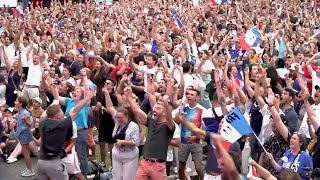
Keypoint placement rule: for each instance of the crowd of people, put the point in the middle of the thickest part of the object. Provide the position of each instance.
(154, 80)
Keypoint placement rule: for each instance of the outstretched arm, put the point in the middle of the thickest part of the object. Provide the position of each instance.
(141, 117)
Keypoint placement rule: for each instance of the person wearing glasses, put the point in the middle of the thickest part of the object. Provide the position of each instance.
(296, 158)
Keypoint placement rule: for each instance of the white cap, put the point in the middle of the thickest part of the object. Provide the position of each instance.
(293, 65)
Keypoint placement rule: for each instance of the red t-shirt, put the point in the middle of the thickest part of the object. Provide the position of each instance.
(308, 75)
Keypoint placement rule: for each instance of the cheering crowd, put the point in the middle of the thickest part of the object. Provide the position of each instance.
(155, 81)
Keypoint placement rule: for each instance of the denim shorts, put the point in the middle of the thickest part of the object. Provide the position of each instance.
(25, 137)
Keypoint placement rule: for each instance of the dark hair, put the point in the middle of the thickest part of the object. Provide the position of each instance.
(69, 69)
(290, 91)
(288, 174)
(52, 110)
(250, 68)
(70, 87)
(186, 67)
(136, 45)
(195, 90)
(273, 75)
(154, 57)
(303, 140)
(236, 160)
(113, 82)
(23, 100)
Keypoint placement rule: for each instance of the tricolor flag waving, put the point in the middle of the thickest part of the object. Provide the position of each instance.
(177, 22)
(18, 12)
(234, 126)
(215, 2)
(250, 39)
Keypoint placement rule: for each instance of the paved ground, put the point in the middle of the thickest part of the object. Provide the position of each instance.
(13, 171)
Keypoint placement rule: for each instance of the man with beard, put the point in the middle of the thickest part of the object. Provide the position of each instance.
(286, 98)
(160, 133)
(149, 68)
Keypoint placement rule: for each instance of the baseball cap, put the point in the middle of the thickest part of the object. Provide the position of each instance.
(292, 67)
(38, 100)
(10, 109)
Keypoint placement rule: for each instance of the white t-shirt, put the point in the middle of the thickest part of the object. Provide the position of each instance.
(70, 157)
(176, 135)
(10, 51)
(71, 81)
(315, 81)
(266, 129)
(304, 125)
(145, 70)
(2, 94)
(34, 75)
(24, 58)
(208, 65)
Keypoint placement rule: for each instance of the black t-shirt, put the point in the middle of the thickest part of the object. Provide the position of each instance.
(158, 139)
(53, 134)
(106, 122)
(255, 117)
(139, 58)
(74, 66)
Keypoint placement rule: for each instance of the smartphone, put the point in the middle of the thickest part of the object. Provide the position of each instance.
(57, 82)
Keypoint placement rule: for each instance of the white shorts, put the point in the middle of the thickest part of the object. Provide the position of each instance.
(210, 177)
(72, 163)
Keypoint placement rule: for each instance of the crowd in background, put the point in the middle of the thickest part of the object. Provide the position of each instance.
(153, 80)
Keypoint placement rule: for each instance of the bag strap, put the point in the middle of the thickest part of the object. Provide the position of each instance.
(14, 84)
(295, 159)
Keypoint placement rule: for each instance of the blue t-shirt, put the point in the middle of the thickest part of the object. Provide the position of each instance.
(21, 125)
(289, 161)
(81, 118)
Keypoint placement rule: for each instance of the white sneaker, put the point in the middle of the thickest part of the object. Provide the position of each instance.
(12, 160)
(175, 170)
(26, 169)
(28, 173)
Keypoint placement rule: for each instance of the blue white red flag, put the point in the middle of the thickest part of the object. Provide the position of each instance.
(17, 11)
(234, 126)
(250, 39)
(219, 1)
(177, 22)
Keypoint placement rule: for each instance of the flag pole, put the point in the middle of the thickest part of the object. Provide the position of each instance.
(264, 149)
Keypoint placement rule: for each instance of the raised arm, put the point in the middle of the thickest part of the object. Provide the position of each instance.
(141, 117)
(229, 171)
(109, 106)
(82, 103)
(192, 127)
(168, 113)
(265, 174)
(151, 91)
(282, 128)
(310, 112)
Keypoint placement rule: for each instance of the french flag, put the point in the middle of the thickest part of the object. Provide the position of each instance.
(215, 2)
(250, 39)
(177, 22)
(234, 126)
(18, 12)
